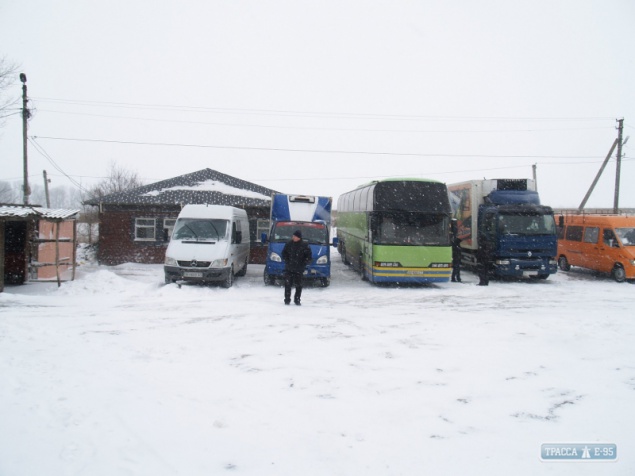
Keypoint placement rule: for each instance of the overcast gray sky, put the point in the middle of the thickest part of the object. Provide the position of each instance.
(318, 97)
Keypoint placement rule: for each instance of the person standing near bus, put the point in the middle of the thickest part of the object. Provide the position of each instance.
(296, 255)
(456, 259)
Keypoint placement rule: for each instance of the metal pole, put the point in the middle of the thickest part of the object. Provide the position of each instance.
(46, 189)
(25, 116)
(616, 200)
(597, 177)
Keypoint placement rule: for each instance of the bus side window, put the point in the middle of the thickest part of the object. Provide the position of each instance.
(609, 238)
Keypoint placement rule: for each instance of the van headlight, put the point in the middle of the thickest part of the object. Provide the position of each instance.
(218, 263)
(170, 261)
(322, 260)
(633, 262)
(275, 257)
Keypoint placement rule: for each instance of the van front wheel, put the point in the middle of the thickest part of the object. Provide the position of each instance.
(618, 274)
(229, 280)
(563, 264)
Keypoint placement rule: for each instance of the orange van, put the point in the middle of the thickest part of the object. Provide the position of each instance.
(604, 243)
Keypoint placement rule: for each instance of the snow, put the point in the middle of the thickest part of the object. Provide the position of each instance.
(213, 186)
(116, 373)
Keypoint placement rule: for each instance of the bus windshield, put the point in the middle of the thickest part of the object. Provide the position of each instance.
(314, 233)
(196, 229)
(526, 224)
(413, 229)
(626, 235)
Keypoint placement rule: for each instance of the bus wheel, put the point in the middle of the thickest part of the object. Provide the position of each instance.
(563, 264)
(344, 258)
(618, 273)
(362, 269)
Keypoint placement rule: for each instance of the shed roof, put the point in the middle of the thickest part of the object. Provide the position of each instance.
(25, 211)
(206, 186)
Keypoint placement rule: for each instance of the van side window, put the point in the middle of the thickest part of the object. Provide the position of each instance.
(609, 238)
(574, 233)
(591, 234)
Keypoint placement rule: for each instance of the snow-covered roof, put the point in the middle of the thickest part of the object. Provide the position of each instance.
(17, 211)
(203, 187)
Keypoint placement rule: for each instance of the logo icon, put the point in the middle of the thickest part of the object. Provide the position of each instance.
(193, 264)
(578, 452)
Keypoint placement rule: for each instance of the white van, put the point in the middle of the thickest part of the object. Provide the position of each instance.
(209, 243)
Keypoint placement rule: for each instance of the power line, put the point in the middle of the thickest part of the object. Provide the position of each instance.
(43, 152)
(289, 112)
(312, 128)
(317, 151)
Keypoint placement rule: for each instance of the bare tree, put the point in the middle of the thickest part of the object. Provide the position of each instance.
(118, 180)
(8, 76)
(7, 193)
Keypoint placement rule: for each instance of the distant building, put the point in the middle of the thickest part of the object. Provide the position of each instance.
(136, 225)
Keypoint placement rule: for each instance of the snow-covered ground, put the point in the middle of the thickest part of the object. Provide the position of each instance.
(117, 374)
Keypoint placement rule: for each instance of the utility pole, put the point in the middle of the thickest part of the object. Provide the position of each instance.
(46, 189)
(25, 117)
(616, 201)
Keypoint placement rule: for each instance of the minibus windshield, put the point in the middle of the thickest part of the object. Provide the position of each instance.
(626, 236)
(196, 229)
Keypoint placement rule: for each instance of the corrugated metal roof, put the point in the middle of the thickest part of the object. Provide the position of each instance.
(39, 212)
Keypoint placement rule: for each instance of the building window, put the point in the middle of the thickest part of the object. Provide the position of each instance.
(145, 229)
(168, 227)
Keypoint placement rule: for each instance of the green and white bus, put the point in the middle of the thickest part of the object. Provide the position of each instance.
(397, 231)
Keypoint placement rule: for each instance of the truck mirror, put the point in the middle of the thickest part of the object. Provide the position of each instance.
(335, 242)
(263, 238)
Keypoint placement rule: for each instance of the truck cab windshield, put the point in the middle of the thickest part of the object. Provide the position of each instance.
(314, 233)
(526, 224)
(196, 229)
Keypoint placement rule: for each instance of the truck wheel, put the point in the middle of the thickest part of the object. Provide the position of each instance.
(563, 264)
(268, 279)
(618, 273)
(325, 282)
(229, 280)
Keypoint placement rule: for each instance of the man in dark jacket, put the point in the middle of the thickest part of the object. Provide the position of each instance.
(456, 260)
(296, 255)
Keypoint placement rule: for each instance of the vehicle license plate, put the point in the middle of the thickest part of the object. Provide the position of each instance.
(191, 274)
(531, 273)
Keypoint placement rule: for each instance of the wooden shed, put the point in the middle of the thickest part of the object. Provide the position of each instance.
(135, 226)
(36, 244)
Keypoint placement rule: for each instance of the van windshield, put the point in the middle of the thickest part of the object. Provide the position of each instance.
(315, 233)
(197, 229)
(626, 236)
(526, 224)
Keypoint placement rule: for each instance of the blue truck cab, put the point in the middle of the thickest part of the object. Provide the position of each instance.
(312, 216)
(504, 219)
(521, 234)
